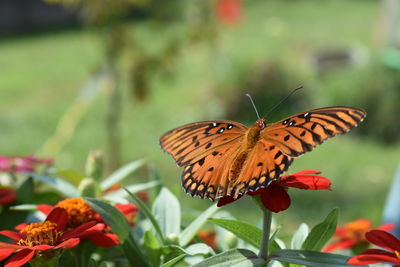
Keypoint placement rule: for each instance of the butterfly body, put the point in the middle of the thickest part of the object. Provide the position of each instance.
(221, 158)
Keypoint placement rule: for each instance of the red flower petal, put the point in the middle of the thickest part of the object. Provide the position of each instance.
(127, 208)
(70, 243)
(44, 208)
(5, 252)
(307, 172)
(11, 234)
(78, 231)
(226, 200)
(228, 11)
(102, 239)
(20, 258)
(58, 216)
(387, 227)
(383, 239)
(42, 247)
(371, 256)
(7, 195)
(275, 198)
(312, 182)
(13, 246)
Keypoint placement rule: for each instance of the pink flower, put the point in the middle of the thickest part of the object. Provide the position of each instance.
(275, 197)
(22, 164)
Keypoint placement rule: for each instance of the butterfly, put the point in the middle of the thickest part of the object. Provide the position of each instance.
(226, 158)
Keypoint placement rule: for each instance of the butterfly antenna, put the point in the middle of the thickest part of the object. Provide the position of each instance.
(254, 105)
(283, 100)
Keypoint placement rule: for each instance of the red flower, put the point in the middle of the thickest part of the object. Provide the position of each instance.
(47, 239)
(389, 254)
(7, 195)
(275, 197)
(352, 234)
(22, 164)
(229, 11)
(80, 212)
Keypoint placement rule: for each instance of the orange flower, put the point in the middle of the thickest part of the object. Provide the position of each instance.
(46, 240)
(208, 237)
(80, 212)
(352, 234)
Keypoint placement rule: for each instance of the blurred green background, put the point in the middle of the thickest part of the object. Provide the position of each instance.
(132, 70)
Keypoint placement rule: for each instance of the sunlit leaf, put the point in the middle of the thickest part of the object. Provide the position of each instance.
(121, 174)
(190, 231)
(143, 207)
(167, 211)
(62, 186)
(322, 232)
(249, 233)
(173, 261)
(234, 257)
(299, 236)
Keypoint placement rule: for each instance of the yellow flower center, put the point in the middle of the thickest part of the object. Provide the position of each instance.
(41, 233)
(78, 211)
(397, 253)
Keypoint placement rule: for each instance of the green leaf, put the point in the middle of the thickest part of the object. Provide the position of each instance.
(191, 230)
(234, 257)
(28, 207)
(143, 207)
(299, 236)
(25, 191)
(322, 232)
(121, 174)
(167, 211)
(112, 216)
(133, 253)
(199, 248)
(122, 194)
(173, 261)
(152, 248)
(249, 233)
(309, 258)
(62, 186)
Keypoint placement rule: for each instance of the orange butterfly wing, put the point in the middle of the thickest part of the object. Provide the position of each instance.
(209, 150)
(206, 150)
(291, 137)
(301, 132)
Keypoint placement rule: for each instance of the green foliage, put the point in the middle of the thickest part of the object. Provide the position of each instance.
(321, 233)
(245, 231)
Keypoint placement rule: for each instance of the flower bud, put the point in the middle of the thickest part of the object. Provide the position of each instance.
(95, 165)
(88, 187)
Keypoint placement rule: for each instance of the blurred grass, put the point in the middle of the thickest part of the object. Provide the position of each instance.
(41, 75)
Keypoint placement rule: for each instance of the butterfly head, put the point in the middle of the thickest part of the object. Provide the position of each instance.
(260, 123)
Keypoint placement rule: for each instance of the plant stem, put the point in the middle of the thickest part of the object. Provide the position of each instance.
(267, 217)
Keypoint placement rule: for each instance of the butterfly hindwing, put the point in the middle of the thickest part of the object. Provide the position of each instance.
(301, 132)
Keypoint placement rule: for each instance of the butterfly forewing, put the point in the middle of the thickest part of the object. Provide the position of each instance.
(301, 132)
(192, 142)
